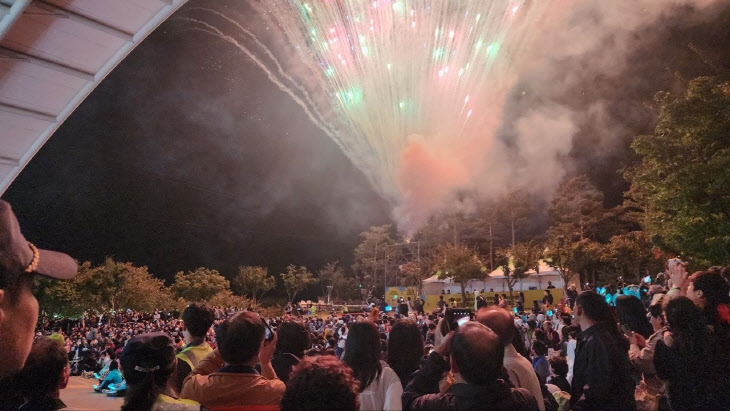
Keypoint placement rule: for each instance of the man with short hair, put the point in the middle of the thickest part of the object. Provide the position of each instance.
(476, 356)
(520, 371)
(45, 374)
(20, 260)
(227, 377)
(197, 320)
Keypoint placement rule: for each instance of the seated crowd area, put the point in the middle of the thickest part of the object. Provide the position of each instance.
(667, 351)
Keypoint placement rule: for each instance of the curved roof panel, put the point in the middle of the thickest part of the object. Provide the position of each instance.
(53, 53)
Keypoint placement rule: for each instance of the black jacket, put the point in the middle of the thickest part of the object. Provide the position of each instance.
(422, 393)
(601, 373)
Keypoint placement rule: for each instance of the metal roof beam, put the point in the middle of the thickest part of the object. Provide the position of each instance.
(101, 26)
(6, 53)
(27, 112)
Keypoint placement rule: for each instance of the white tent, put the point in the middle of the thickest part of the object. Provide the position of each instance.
(53, 53)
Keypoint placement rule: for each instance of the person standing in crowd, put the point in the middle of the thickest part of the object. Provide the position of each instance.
(321, 383)
(632, 315)
(481, 302)
(441, 304)
(405, 349)
(380, 388)
(694, 368)
(521, 302)
(602, 371)
(45, 374)
(547, 299)
(20, 260)
(550, 285)
(197, 320)
(475, 356)
(227, 377)
(292, 340)
(711, 293)
(571, 293)
(641, 355)
(520, 371)
(147, 362)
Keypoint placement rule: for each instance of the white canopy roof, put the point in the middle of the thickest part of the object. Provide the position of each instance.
(53, 53)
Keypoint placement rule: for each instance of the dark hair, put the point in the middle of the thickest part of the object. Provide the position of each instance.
(113, 365)
(478, 353)
(656, 310)
(500, 321)
(198, 319)
(714, 289)
(690, 334)
(43, 369)
(631, 312)
(539, 335)
(362, 352)
(596, 308)
(239, 337)
(293, 338)
(405, 348)
(321, 382)
(143, 387)
(539, 347)
(559, 366)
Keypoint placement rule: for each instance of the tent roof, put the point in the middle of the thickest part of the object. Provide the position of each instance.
(53, 53)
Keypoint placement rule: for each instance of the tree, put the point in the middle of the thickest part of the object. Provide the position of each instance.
(632, 255)
(253, 282)
(683, 180)
(199, 285)
(459, 263)
(516, 209)
(413, 273)
(328, 276)
(374, 254)
(295, 280)
(517, 261)
(576, 210)
(573, 257)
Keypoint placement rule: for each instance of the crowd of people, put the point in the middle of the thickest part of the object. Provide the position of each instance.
(668, 348)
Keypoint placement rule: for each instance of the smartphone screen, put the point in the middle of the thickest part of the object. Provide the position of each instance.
(463, 320)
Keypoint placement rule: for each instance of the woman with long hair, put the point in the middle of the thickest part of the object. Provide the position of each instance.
(632, 314)
(380, 388)
(684, 359)
(147, 362)
(405, 349)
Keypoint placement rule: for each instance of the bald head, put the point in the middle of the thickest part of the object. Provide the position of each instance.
(500, 321)
(477, 353)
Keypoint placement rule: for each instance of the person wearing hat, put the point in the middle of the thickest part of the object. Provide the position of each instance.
(20, 261)
(147, 362)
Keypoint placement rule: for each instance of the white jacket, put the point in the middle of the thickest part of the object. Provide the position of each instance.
(384, 393)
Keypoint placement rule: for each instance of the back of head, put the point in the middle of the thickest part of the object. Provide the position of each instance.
(630, 311)
(292, 338)
(362, 352)
(321, 382)
(239, 338)
(147, 362)
(714, 287)
(44, 369)
(560, 366)
(405, 347)
(595, 307)
(500, 321)
(478, 353)
(198, 319)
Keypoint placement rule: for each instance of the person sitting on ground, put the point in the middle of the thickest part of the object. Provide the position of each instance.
(539, 361)
(559, 378)
(380, 388)
(475, 357)
(321, 383)
(520, 371)
(45, 374)
(147, 362)
(405, 349)
(601, 371)
(552, 338)
(228, 377)
(197, 320)
(114, 376)
(292, 341)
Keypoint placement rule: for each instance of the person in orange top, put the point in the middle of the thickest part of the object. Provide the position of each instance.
(227, 377)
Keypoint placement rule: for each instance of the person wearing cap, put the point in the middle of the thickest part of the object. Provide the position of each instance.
(20, 260)
(197, 320)
(227, 377)
(147, 362)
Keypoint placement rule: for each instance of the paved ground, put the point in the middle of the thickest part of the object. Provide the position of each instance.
(79, 395)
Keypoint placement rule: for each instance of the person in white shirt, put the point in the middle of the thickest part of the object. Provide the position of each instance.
(521, 372)
(380, 387)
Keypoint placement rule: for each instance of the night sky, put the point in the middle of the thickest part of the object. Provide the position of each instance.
(187, 156)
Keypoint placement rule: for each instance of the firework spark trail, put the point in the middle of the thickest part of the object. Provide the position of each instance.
(210, 29)
(439, 69)
(282, 73)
